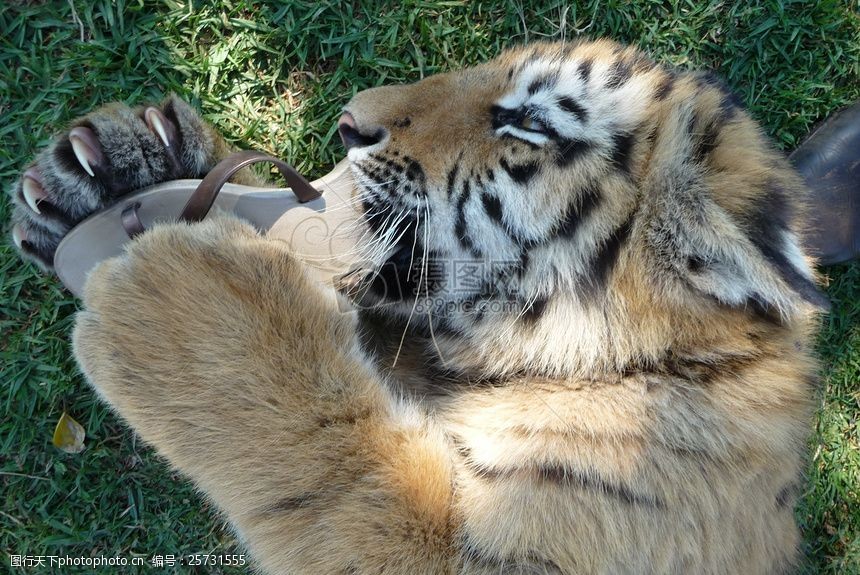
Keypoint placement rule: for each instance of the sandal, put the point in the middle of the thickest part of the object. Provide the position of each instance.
(319, 227)
(829, 161)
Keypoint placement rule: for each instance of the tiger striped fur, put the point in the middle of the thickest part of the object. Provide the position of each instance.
(597, 265)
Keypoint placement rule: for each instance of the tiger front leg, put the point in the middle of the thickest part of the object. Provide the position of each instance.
(219, 351)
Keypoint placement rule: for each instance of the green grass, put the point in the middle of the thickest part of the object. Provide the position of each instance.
(273, 76)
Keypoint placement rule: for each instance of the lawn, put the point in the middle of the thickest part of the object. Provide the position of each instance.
(274, 76)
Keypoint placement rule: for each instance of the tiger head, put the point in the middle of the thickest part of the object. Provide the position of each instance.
(575, 208)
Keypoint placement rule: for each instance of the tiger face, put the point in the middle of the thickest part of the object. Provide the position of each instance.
(574, 208)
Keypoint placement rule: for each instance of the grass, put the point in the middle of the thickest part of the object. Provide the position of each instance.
(273, 76)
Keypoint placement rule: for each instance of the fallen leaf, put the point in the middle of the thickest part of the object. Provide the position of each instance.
(69, 434)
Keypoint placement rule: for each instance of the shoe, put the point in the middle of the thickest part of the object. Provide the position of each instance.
(318, 227)
(829, 160)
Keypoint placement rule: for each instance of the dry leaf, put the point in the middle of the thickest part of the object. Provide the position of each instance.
(69, 434)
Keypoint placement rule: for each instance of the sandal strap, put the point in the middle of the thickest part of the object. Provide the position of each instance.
(203, 197)
(131, 220)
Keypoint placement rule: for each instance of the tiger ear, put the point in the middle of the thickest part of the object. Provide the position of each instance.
(752, 262)
(724, 207)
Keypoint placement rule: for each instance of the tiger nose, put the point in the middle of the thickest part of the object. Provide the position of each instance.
(352, 136)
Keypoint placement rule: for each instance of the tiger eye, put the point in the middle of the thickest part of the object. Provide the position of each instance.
(527, 123)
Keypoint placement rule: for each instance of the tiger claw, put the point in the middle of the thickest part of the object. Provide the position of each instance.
(86, 147)
(159, 124)
(32, 190)
(18, 236)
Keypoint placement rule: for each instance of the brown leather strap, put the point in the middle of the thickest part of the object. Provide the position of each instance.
(131, 221)
(203, 197)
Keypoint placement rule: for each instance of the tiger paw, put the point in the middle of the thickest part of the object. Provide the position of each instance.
(105, 155)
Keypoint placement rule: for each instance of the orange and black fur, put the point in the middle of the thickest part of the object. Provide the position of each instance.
(623, 386)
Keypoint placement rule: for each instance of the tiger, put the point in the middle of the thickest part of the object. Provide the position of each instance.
(584, 344)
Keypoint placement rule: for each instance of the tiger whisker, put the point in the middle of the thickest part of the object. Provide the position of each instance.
(414, 303)
(427, 288)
